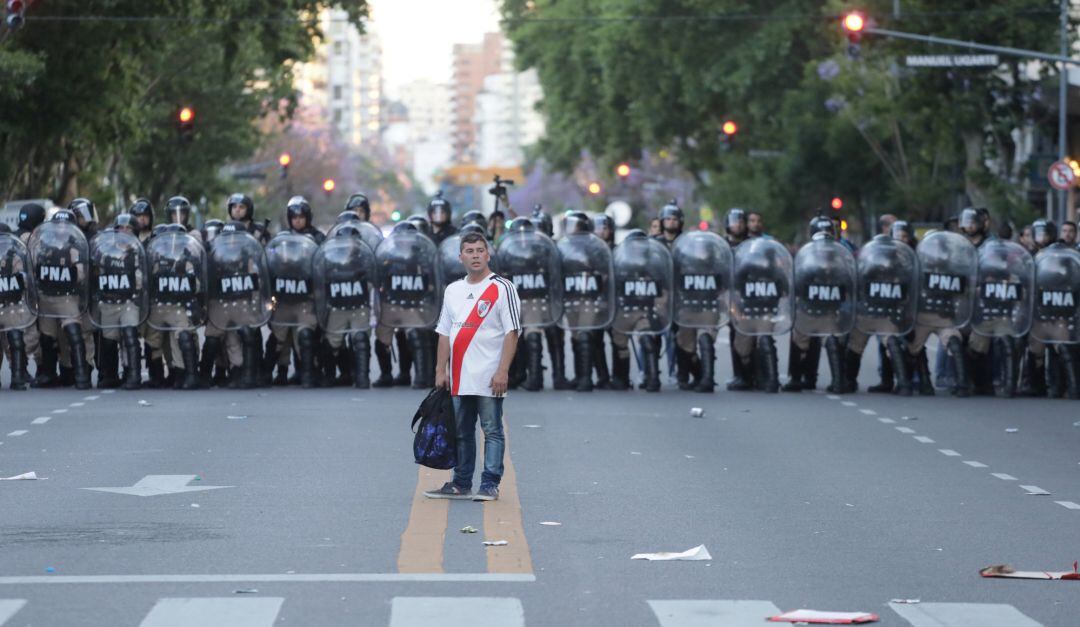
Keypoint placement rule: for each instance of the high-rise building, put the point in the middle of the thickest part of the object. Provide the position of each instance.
(471, 65)
(345, 79)
(506, 119)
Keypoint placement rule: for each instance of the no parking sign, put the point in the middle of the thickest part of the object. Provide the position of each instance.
(1061, 175)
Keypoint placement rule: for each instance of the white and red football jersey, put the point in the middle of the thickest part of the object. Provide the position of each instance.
(476, 317)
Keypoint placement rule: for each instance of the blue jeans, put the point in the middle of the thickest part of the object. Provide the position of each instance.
(489, 410)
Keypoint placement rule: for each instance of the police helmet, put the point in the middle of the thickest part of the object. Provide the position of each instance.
(405, 226)
(474, 216)
(973, 222)
(735, 217)
(421, 222)
(636, 234)
(822, 224)
(472, 227)
(177, 210)
(84, 211)
(30, 216)
(347, 230)
(211, 229)
(358, 204)
(126, 221)
(64, 215)
(903, 231)
(142, 207)
(439, 210)
(1044, 232)
(244, 201)
(671, 210)
(577, 222)
(298, 206)
(521, 225)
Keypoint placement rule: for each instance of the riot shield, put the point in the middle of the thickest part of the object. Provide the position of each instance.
(343, 269)
(1003, 295)
(177, 282)
(60, 256)
(450, 267)
(239, 282)
(118, 273)
(762, 281)
(588, 287)
(368, 232)
(948, 266)
(531, 261)
(702, 262)
(17, 300)
(410, 286)
(1056, 318)
(288, 257)
(824, 288)
(887, 287)
(644, 278)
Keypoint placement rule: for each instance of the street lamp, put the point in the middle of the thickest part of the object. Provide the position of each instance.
(328, 186)
(594, 188)
(623, 170)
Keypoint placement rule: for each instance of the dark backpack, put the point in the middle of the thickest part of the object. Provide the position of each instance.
(435, 442)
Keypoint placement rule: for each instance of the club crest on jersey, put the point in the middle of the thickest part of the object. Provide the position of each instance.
(483, 306)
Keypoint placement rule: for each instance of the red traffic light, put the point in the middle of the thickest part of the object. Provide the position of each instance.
(15, 11)
(730, 128)
(284, 160)
(837, 203)
(623, 170)
(594, 188)
(187, 114)
(328, 185)
(854, 22)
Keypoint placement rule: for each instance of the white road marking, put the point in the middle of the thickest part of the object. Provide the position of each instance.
(8, 608)
(456, 611)
(275, 577)
(108, 391)
(90, 398)
(40, 420)
(156, 485)
(1035, 490)
(948, 452)
(1003, 476)
(848, 404)
(981, 614)
(59, 411)
(974, 464)
(887, 421)
(1068, 504)
(77, 404)
(17, 433)
(868, 412)
(214, 612)
(832, 397)
(907, 430)
(689, 613)
(923, 439)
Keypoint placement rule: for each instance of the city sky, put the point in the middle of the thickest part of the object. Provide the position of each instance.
(418, 35)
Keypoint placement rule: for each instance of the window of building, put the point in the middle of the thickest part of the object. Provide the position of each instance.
(338, 47)
(337, 116)
(337, 92)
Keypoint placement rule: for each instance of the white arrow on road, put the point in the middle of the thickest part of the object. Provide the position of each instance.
(156, 485)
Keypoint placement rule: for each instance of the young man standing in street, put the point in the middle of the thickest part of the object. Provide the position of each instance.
(478, 332)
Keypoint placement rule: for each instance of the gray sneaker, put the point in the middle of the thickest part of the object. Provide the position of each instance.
(450, 490)
(487, 493)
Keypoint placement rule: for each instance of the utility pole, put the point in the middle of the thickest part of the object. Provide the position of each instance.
(1063, 89)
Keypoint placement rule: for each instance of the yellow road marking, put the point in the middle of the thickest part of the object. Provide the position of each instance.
(502, 521)
(422, 542)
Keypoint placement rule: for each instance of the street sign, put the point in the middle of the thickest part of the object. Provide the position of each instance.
(1061, 176)
(952, 60)
(156, 485)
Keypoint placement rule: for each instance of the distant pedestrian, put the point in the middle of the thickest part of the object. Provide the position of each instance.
(478, 332)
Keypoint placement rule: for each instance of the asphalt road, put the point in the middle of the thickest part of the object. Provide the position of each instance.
(802, 500)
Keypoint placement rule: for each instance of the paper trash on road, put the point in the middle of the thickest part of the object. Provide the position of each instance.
(495, 543)
(26, 476)
(551, 523)
(1006, 571)
(144, 403)
(827, 618)
(236, 417)
(531, 426)
(1011, 430)
(697, 554)
(697, 412)
(469, 529)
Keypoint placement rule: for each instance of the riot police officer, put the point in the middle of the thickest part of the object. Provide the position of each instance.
(345, 276)
(687, 363)
(604, 228)
(177, 268)
(359, 205)
(1050, 359)
(17, 311)
(241, 209)
(554, 335)
(644, 279)
(439, 213)
(761, 309)
(143, 211)
(119, 300)
(31, 215)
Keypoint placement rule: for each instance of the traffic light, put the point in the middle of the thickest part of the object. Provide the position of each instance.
(185, 124)
(853, 24)
(16, 13)
(396, 215)
(837, 203)
(284, 160)
(729, 129)
(328, 186)
(623, 170)
(594, 188)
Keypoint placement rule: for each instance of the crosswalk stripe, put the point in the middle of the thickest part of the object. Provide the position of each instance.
(456, 611)
(690, 613)
(213, 612)
(962, 615)
(8, 608)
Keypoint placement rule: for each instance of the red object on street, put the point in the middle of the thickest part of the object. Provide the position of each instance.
(824, 618)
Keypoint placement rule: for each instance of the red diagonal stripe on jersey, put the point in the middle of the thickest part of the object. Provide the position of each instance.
(465, 335)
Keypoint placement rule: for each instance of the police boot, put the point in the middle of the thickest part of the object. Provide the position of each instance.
(534, 364)
(306, 339)
(269, 361)
(344, 360)
(922, 369)
(326, 365)
(901, 374)
(707, 352)
(155, 370)
(852, 362)
(45, 374)
(650, 355)
(18, 359)
(982, 373)
(1032, 376)
(741, 382)
(810, 364)
(361, 358)
(620, 365)
(108, 364)
(386, 365)
(600, 364)
(415, 350)
(1054, 379)
(1006, 386)
(963, 368)
(405, 360)
(682, 369)
(133, 352)
(796, 364)
(835, 354)
(189, 353)
(252, 342)
(210, 351)
(887, 374)
(80, 369)
(770, 370)
(557, 354)
(1072, 375)
(582, 361)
